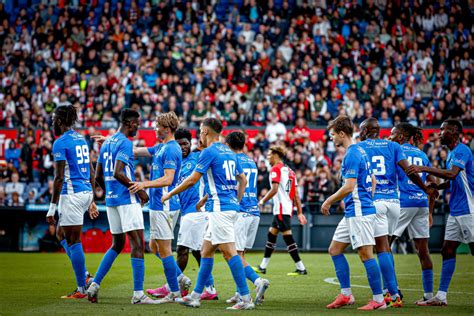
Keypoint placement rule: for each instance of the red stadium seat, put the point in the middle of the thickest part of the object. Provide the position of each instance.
(93, 240)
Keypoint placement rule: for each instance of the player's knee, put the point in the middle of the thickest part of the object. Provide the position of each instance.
(333, 251)
(448, 252)
(182, 251)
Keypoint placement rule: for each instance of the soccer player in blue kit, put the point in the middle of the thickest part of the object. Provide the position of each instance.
(248, 218)
(73, 188)
(416, 208)
(225, 186)
(357, 226)
(459, 176)
(167, 157)
(385, 156)
(115, 172)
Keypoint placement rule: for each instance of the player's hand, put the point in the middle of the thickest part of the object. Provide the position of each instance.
(99, 139)
(143, 197)
(325, 208)
(93, 211)
(51, 220)
(165, 197)
(413, 169)
(302, 219)
(136, 186)
(432, 192)
(430, 220)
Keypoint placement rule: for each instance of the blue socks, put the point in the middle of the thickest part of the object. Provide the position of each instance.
(447, 273)
(373, 275)
(169, 265)
(138, 269)
(388, 272)
(105, 265)
(66, 247)
(210, 281)
(251, 274)
(237, 269)
(342, 271)
(157, 254)
(427, 278)
(204, 274)
(78, 263)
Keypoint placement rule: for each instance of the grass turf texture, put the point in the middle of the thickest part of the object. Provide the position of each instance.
(33, 283)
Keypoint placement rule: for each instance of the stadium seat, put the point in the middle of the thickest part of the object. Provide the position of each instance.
(93, 240)
(108, 242)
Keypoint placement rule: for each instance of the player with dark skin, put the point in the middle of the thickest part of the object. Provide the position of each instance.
(64, 119)
(449, 137)
(129, 128)
(403, 136)
(370, 129)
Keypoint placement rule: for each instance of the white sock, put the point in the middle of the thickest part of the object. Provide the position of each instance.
(346, 291)
(385, 291)
(428, 295)
(441, 295)
(87, 273)
(81, 289)
(378, 298)
(211, 289)
(246, 298)
(265, 262)
(177, 293)
(167, 287)
(394, 297)
(138, 293)
(257, 281)
(195, 295)
(180, 277)
(300, 265)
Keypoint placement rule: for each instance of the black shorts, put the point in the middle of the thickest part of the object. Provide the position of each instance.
(282, 225)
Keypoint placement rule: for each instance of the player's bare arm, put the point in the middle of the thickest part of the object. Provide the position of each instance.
(374, 184)
(59, 168)
(415, 178)
(120, 176)
(137, 151)
(93, 212)
(242, 183)
(344, 191)
(299, 209)
(164, 181)
(450, 174)
(270, 194)
(186, 184)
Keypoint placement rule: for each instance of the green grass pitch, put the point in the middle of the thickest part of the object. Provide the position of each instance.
(33, 283)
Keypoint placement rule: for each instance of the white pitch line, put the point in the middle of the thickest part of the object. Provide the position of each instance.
(334, 281)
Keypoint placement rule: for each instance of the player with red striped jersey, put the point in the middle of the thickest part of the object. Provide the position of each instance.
(284, 194)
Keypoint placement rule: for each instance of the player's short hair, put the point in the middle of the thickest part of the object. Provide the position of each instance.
(456, 124)
(236, 140)
(278, 150)
(169, 120)
(213, 124)
(67, 114)
(128, 114)
(410, 131)
(183, 133)
(342, 123)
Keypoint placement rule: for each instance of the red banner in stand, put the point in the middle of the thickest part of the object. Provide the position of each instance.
(6, 135)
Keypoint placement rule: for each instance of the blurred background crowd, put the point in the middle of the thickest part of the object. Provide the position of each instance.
(280, 66)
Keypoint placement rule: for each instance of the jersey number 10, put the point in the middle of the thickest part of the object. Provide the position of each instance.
(82, 154)
(229, 167)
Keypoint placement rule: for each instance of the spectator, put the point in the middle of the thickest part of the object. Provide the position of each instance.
(12, 155)
(275, 130)
(15, 185)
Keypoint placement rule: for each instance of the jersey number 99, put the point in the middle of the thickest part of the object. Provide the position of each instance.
(82, 154)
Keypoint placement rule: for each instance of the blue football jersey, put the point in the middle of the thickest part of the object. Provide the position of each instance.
(190, 197)
(219, 167)
(249, 202)
(410, 194)
(72, 148)
(117, 147)
(384, 157)
(165, 156)
(462, 187)
(356, 165)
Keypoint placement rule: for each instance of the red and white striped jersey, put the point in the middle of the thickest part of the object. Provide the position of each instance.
(286, 179)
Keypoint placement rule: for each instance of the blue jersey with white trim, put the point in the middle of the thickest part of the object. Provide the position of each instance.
(165, 156)
(410, 194)
(219, 166)
(117, 147)
(249, 202)
(356, 165)
(384, 157)
(72, 148)
(462, 187)
(189, 198)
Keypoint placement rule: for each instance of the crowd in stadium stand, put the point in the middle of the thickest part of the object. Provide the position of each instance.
(278, 65)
